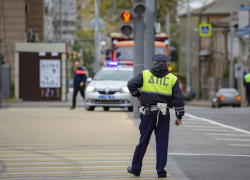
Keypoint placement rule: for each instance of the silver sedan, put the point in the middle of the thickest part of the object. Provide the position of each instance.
(226, 97)
(109, 89)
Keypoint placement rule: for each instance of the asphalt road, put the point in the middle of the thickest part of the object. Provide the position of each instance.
(203, 149)
(56, 143)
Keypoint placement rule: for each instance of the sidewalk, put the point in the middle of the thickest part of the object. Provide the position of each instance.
(42, 104)
(200, 103)
(56, 143)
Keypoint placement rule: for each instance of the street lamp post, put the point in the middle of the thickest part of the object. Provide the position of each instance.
(231, 78)
(188, 88)
(97, 38)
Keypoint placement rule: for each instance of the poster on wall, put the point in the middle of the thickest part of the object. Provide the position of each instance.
(50, 74)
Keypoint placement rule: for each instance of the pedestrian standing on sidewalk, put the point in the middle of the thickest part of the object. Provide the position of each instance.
(160, 90)
(79, 82)
(247, 85)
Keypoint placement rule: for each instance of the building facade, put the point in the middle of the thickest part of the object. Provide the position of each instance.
(12, 29)
(60, 27)
(212, 53)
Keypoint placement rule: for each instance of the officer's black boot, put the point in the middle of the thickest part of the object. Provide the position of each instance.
(129, 169)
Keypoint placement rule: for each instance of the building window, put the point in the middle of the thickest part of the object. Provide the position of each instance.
(27, 8)
(223, 43)
(214, 41)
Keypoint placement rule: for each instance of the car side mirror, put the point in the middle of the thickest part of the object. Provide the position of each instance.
(89, 79)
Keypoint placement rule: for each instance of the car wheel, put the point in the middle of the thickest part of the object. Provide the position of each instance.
(90, 108)
(239, 106)
(234, 106)
(130, 109)
(106, 108)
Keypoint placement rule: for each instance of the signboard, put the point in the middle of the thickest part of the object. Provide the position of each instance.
(50, 73)
(238, 70)
(243, 19)
(205, 30)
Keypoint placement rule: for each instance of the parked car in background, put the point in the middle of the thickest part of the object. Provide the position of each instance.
(109, 89)
(226, 97)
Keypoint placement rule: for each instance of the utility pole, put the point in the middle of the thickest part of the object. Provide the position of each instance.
(1, 93)
(97, 38)
(231, 72)
(188, 88)
(60, 22)
(138, 55)
(0, 66)
(149, 34)
(168, 31)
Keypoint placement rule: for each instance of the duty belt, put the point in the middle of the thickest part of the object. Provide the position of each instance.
(160, 107)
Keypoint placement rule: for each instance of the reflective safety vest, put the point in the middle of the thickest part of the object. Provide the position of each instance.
(153, 84)
(247, 78)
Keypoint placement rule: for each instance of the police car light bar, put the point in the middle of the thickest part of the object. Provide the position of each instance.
(115, 63)
(112, 63)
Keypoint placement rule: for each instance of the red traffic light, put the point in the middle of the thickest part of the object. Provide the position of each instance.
(126, 17)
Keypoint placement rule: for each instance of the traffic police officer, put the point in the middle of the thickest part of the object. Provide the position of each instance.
(247, 85)
(160, 90)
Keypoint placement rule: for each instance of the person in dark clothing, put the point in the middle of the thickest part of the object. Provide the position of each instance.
(247, 85)
(79, 82)
(160, 90)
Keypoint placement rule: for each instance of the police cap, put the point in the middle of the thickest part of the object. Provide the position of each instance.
(160, 57)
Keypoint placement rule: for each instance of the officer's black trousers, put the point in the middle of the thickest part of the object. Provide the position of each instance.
(76, 89)
(248, 94)
(148, 124)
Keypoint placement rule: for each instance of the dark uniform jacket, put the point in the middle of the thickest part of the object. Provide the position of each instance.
(175, 100)
(79, 76)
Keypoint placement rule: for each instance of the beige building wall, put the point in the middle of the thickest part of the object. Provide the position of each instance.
(12, 29)
(35, 18)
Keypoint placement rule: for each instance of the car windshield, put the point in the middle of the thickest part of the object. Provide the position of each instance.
(114, 75)
(127, 52)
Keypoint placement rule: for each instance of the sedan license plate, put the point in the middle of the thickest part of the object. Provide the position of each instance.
(107, 97)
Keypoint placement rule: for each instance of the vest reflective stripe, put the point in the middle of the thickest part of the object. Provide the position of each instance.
(163, 86)
(80, 72)
(247, 78)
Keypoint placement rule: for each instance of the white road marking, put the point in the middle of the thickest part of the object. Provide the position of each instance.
(222, 155)
(221, 134)
(219, 124)
(217, 130)
(72, 167)
(243, 145)
(82, 172)
(227, 139)
(79, 162)
(75, 158)
(216, 127)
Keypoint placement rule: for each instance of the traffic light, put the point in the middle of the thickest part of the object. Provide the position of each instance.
(139, 7)
(127, 24)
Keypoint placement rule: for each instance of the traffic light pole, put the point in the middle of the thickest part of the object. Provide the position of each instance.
(97, 38)
(188, 88)
(149, 34)
(0, 76)
(138, 55)
(231, 71)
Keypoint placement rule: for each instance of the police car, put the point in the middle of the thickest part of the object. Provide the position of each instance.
(109, 89)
